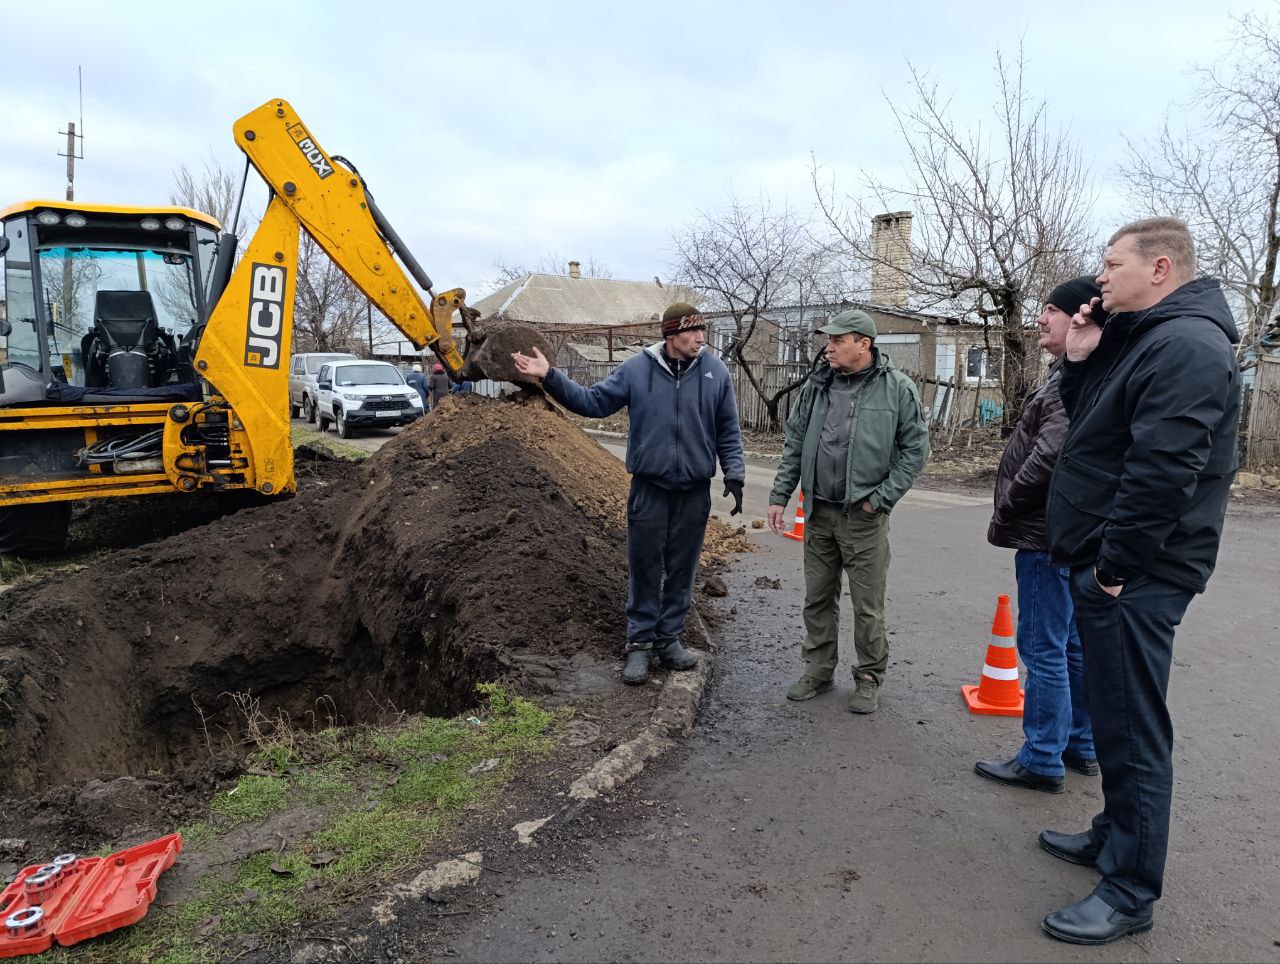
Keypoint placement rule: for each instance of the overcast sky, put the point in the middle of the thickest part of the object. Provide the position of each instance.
(510, 131)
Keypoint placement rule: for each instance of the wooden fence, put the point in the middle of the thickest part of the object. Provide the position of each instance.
(954, 406)
(1264, 415)
(951, 405)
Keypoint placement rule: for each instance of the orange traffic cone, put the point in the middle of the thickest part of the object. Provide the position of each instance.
(797, 528)
(997, 693)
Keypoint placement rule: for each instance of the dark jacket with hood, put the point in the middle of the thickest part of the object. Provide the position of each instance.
(680, 421)
(1145, 472)
(1022, 480)
(440, 386)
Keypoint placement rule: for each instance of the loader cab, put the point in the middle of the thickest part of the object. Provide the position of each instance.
(98, 300)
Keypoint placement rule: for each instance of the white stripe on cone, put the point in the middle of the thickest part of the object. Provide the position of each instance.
(995, 672)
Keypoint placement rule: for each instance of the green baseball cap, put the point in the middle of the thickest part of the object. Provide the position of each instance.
(851, 321)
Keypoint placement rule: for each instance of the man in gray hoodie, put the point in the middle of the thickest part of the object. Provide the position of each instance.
(683, 416)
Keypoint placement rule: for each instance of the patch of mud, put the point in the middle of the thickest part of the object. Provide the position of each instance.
(486, 542)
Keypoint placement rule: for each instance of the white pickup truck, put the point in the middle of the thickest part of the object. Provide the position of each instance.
(303, 368)
(363, 394)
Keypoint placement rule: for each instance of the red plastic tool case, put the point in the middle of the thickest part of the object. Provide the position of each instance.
(96, 895)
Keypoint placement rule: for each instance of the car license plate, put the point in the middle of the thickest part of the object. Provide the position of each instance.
(391, 414)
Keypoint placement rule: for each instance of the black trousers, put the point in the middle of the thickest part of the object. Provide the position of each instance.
(1128, 649)
(665, 529)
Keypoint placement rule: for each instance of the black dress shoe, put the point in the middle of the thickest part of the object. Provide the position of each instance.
(1094, 921)
(1013, 774)
(1074, 848)
(1088, 766)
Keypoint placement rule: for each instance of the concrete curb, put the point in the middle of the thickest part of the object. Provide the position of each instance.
(673, 717)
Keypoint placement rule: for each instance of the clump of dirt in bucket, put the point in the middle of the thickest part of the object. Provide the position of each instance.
(486, 542)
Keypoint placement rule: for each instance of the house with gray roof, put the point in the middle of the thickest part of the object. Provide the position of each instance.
(551, 301)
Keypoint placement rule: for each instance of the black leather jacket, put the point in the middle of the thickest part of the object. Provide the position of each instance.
(1022, 481)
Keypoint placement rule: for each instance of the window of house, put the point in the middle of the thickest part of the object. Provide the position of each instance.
(721, 334)
(793, 336)
(980, 365)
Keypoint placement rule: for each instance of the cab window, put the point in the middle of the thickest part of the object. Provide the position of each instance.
(19, 341)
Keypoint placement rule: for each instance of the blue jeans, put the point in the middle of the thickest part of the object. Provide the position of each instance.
(1055, 716)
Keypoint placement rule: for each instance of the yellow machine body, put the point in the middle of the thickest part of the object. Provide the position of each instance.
(232, 431)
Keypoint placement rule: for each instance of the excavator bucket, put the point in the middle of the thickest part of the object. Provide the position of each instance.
(489, 351)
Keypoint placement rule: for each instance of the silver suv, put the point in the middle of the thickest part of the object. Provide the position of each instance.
(302, 380)
(363, 394)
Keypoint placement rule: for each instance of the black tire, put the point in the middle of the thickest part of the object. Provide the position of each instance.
(344, 428)
(37, 529)
(294, 410)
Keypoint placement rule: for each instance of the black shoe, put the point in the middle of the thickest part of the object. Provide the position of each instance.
(675, 656)
(637, 668)
(1014, 774)
(1088, 766)
(1074, 848)
(1094, 921)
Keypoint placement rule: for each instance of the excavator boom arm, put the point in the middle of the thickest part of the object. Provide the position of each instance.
(333, 206)
(245, 348)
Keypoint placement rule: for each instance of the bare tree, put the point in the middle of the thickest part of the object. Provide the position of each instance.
(329, 310)
(507, 272)
(750, 261)
(213, 190)
(1001, 215)
(1223, 179)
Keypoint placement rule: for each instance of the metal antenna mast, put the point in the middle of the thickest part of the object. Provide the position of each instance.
(71, 154)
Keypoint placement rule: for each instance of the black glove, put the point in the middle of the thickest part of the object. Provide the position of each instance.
(734, 487)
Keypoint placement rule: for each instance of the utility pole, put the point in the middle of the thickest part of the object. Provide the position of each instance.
(71, 154)
(66, 305)
(71, 160)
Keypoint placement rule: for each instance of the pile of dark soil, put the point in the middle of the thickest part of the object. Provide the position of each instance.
(487, 542)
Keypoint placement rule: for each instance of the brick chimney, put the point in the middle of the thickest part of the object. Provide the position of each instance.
(575, 269)
(891, 258)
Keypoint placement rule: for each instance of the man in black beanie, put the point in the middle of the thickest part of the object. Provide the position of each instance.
(1055, 719)
(683, 417)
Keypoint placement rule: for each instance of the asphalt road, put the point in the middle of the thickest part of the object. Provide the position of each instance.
(797, 832)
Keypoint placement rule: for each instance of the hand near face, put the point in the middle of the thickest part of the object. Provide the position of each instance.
(1083, 335)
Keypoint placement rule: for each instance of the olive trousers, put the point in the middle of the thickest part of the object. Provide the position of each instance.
(857, 544)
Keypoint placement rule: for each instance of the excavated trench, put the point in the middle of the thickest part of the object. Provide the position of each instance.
(486, 542)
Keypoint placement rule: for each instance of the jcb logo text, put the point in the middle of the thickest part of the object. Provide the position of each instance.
(266, 316)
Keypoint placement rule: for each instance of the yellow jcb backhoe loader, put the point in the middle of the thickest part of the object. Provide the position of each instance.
(137, 356)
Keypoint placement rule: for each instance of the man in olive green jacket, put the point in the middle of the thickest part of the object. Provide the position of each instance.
(855, 442)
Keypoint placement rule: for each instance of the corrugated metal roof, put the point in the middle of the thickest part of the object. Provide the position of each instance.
(552, 299)
(600, 353)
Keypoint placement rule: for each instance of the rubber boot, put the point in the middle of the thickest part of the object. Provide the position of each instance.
(675, 656)
(637, 668)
